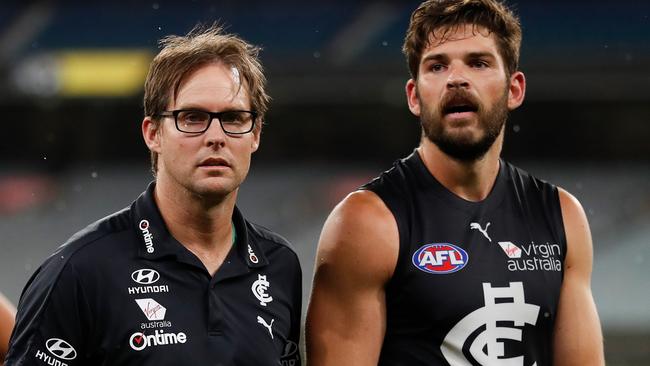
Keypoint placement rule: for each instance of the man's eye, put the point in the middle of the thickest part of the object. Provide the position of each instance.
(437, 67)
(479, 64)
(233, 117)
(193, 117)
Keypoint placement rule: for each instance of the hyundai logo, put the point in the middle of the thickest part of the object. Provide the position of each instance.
(145, 276)
(61, 349)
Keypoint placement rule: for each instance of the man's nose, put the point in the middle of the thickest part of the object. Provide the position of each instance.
(457, 78)
(215, 135)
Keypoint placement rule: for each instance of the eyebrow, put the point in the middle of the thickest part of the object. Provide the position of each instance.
(445, 57)
(435, 57)
(474, 55)
(199, 107)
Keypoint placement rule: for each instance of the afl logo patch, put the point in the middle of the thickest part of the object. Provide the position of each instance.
(440, 258)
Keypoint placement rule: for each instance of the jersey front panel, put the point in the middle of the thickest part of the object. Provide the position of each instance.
(475, 283)
(125, 292)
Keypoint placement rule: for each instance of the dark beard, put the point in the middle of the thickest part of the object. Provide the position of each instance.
(462, 149)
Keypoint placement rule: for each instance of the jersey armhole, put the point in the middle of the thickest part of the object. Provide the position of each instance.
(403, 234)
(559, 222)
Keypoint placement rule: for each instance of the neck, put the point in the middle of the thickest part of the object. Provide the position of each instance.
(471, 180)
(196, 221)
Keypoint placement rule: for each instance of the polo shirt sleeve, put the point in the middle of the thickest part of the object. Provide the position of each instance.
(53, 318)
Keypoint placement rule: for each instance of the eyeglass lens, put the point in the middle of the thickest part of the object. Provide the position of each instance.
(199, 121)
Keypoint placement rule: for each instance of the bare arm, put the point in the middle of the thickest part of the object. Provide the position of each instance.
(357, 254)
(7, 320)
(578, 337)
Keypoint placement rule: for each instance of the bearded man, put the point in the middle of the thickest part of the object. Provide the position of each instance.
(454, 256)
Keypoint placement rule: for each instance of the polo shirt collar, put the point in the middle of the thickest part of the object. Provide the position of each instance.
(247, 248)
(246, 253)
(155, 241)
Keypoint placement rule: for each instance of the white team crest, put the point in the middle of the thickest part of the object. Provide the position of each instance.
(260, 288)
(488, 347)
(477, 226)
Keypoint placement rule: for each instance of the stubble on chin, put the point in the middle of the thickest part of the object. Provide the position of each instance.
(463, 146)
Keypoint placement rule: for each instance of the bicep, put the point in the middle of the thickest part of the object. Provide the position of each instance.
(578, 337)
(347, 312)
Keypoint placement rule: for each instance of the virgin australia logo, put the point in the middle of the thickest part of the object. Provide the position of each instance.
(152, 309)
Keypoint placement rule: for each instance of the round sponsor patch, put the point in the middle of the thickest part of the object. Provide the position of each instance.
(61, 349)
(440, 258)
(137, 341)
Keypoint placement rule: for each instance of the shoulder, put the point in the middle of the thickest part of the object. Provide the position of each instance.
(361, 235)
(571, 207)
(527, 180)
(393, 180)
(61, 274)
(576, 227)
(271, 241)
(575, 220)
(362, 207)
(88, 245)
(540, 193)
(98, 237)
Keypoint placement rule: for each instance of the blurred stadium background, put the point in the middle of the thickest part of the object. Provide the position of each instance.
(71, 77)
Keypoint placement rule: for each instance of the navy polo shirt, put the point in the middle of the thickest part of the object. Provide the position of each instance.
(123, 291)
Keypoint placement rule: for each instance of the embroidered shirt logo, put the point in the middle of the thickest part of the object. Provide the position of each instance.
(146, 235)
(61, 349)
(260, 288)
(251, 255)
(477, 226)
(139, 341)
(145, 276)
(266, 325)
(151, 309)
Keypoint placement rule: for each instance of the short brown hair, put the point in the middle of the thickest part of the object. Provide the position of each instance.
(448, 15)
(181, 55)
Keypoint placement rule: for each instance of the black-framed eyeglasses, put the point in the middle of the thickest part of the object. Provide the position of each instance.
(197, 121)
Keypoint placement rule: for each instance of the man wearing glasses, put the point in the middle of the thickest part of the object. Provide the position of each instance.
(179, 277)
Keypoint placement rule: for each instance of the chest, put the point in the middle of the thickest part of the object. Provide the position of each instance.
(173, 314)
(454, 262)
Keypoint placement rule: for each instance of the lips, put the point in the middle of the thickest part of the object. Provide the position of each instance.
(459, 102)
(460, 108)
(214, 162)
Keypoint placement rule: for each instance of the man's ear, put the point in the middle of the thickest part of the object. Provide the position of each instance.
(517, 90)
(151, 134)
(257, 134)
(412, 97)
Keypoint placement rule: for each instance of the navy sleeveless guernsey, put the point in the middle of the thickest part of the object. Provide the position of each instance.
(476, 283)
